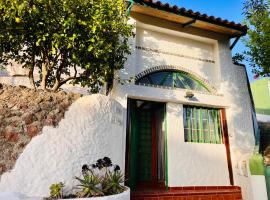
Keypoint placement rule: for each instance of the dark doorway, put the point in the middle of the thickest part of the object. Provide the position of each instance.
(145, 155)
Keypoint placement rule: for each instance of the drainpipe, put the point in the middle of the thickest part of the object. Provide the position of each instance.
(130, 4)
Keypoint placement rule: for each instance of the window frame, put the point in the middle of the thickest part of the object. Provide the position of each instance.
(190, 82)
(202, 125)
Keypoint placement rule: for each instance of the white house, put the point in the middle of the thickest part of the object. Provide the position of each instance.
(187, 124)
(189, 116)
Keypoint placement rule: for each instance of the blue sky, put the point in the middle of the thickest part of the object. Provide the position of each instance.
(226, 9)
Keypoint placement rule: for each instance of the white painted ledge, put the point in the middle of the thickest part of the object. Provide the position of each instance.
(123, 196)
(263, 118)
(18, 196)
(259, 187)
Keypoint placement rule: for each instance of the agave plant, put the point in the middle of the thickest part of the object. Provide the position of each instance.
(90, 184)
(99, 179)
(113, 182)
(56, 190)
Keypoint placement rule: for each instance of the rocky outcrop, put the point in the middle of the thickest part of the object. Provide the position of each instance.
(23, 114)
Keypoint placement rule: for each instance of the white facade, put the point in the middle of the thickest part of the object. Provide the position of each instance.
(207, 56)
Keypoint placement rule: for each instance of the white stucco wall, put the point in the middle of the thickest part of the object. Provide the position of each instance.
(195, 164)
(16, 75)
(239, 117)
(92, 128)
(259, 187)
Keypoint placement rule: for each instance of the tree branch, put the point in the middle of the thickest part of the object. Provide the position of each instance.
(70, 78)
(60, 83)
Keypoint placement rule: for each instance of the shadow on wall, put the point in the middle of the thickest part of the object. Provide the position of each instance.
(234, 86)
(181, 52)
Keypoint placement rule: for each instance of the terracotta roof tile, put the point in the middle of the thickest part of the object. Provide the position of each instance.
(190, 13)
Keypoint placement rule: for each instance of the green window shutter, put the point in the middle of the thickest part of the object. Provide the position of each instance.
(202, 125)
(189, 124)
(217, 127)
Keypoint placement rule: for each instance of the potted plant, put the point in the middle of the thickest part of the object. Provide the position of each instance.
(101, 180)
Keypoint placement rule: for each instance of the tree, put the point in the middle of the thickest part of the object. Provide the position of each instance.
(78, 41)
(257, 14)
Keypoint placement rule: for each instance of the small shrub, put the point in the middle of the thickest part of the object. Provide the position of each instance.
(90, 184)
(56, 191)
(99, 179)
(256, 165)
(112, 182)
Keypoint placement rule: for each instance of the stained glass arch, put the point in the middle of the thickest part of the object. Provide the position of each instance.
(172, 79)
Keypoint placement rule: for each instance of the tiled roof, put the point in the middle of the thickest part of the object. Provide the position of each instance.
(190, 13)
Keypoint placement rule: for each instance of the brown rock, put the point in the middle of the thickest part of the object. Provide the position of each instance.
(33, 129)
(22, 145)
(27, 118)
(12, 136)
(2, 168)
(49, 122)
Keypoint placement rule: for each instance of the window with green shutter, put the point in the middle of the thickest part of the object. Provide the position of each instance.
(202, 125)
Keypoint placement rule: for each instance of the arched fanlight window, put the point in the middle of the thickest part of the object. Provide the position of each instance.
(173, 79)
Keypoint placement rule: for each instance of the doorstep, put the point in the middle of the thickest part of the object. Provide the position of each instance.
(190, 193)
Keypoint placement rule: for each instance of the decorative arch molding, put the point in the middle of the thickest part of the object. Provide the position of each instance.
(159, 68)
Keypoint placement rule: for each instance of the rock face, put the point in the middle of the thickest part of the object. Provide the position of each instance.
(23, 114)
(92, 128)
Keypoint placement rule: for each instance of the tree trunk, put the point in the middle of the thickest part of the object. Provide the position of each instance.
(56, 85)
(44, 76)
(31, 78)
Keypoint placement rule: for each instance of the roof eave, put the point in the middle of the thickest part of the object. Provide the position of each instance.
(206, 23)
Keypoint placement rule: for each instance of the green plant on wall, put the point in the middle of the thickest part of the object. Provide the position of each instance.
(256, 164)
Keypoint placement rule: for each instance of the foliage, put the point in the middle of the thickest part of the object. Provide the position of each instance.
(112, 178)
(256, 165)
(267, 156)
(90, 184)
(99, 179)
(56, 190)
(257, 18)
(238, 58)
(112, 182)
(79, 41)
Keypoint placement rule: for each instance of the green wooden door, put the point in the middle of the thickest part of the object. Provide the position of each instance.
(145, 146)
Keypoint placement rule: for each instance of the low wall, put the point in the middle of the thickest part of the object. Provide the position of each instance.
(91, 129)
(123, 196)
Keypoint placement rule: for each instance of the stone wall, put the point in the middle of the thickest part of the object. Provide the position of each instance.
(23, 114)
